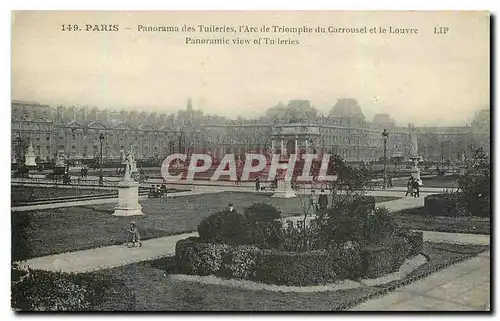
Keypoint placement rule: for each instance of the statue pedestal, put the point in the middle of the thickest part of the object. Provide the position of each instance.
(128, 199)
(415, 171)
(30, 160)
(30, 156)
(284, 190)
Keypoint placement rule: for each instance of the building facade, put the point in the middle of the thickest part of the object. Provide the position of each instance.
(76, 133)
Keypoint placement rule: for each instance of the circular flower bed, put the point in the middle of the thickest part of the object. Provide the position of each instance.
(270, 266)
(348, 242)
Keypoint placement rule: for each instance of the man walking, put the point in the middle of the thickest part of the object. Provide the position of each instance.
(312, 204)
(409, 187)
(323, 200)
(257, 184)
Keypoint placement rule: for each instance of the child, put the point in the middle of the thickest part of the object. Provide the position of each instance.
(134, 231)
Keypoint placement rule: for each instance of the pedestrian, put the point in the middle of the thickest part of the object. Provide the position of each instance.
(390, 182)
(313, 205)
(257, 184)
(416, 188)
(323, 200)
(134, 234)
(409, 187)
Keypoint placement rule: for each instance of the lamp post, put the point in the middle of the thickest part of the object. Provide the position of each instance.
(442, 153)
(384, 136)
(101, 139)
(19, 148)
(181, 139)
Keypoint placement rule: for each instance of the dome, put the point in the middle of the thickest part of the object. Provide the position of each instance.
(346, 107)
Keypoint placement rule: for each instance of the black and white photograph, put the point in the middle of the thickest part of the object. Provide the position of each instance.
(250, 161)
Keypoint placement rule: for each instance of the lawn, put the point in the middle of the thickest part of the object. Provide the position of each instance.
(154, 291)
(22, 194)
(449, 181)
(77, 228)
(416, 218)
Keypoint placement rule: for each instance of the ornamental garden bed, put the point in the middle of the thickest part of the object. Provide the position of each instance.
(417, 218)
(458, 204)
(294, 268)
(37, 290)
(352, 241)
(150, 286)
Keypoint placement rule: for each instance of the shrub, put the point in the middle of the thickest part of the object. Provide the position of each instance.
(441, 205)
(268, 266)
(416, 242)
(20, 245)
(56, 291)
(193, 257)
(386, 257)
(343, 225)
(262, 212)
(476, 186)
(259, 226)
(376, 260)
(240, 262)
(306, 268)
(223, 227)
(379, 226)
(361, 223)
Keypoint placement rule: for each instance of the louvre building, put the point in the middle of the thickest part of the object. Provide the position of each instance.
(76, 132)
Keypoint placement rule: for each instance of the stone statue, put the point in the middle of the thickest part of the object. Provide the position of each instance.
(122, 156)
(30, 156)
(60, 160)
(128, 166)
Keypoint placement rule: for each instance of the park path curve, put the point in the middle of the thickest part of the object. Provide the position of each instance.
(118, 255)
(464, 286)
(108, 256)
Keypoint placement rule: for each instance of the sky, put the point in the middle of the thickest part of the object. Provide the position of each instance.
(425, 78)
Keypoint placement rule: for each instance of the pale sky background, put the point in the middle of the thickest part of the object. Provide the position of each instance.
(426, 79)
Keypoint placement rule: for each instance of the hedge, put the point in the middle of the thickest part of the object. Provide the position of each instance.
(441, 205)
(259, 225)
(416, 242)
(290, 268)
(457, 204)
(39, 290)
(194, 257)
(307, 268)
(386, 257)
